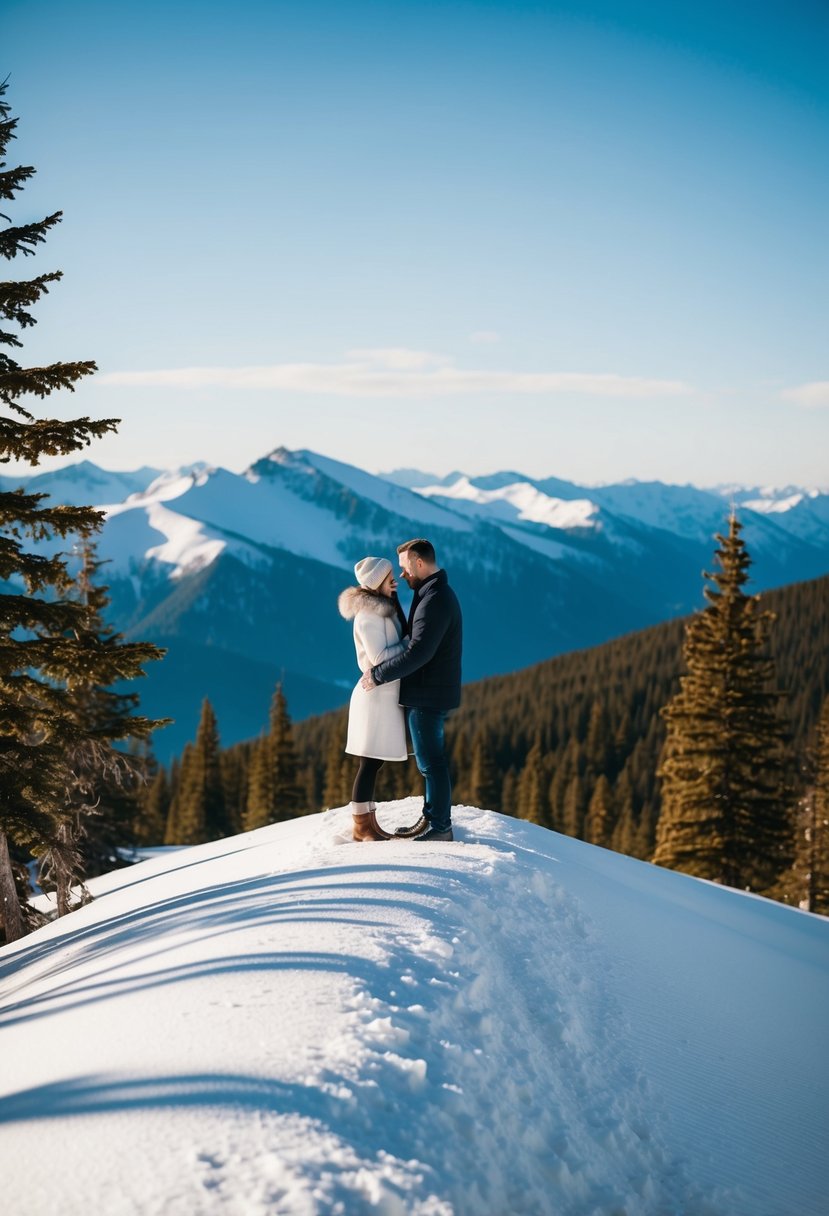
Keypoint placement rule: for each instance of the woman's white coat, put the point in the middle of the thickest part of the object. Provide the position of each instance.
(376, 723)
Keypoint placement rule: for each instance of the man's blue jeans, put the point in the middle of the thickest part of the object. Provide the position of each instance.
(426, 729)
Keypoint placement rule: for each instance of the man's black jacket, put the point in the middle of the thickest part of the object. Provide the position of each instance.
(429, 669)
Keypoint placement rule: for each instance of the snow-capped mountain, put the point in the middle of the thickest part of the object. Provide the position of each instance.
(83, 484)
(513, 1024)
(238, 574)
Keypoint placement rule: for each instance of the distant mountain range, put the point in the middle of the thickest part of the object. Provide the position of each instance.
(238, 574)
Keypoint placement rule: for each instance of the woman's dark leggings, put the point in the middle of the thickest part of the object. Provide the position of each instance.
(363, 790)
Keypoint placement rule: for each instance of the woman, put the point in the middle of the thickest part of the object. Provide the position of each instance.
(376, 725)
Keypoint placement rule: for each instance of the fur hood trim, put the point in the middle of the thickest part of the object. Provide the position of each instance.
(357, 599)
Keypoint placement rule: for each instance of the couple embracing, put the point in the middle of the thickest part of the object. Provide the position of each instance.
(411, 673)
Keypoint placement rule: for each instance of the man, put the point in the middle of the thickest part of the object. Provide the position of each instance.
(429, 671)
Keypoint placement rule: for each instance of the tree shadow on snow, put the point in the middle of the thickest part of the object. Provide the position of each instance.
(348, 895)
(101, 1094)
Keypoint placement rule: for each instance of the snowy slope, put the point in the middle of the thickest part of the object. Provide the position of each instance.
(515, 500)
(514, 1024)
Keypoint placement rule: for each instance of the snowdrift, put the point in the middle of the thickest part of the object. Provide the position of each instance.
(515, 1023)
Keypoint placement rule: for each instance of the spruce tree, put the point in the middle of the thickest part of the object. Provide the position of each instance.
(332, 794)
(287, 794)
(260, 805)
(530, 804)
(38, 646)
(98, 805)
(484, 780)
(233, 765)
(200, 813)
(807, 883)
(574, 808)
(725, 795)
(598, 824)
(509, 792)
(173, 833)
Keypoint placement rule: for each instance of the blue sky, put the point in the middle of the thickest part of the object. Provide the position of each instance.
(587, 240)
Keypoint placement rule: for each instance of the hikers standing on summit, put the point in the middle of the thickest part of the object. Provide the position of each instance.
(429, 671)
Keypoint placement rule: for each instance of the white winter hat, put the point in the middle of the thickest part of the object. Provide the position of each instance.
(371, 571)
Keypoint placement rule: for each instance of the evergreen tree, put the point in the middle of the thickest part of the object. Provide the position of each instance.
(807, 883)
(484, 781)
(198, 812)
(598, 825)
(287, 794)
(38, 644)
(260, 807)
(274, 791)
(173, 830)
(574, 807)
(509, 793)
(233, 765)
(530, 805)
(725, 796)
(599, 741)
(99, 805)
(332, 794)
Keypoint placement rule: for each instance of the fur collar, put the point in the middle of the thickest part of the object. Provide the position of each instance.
(357, 599)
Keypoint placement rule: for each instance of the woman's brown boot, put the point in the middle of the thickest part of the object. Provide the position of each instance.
(366, 826)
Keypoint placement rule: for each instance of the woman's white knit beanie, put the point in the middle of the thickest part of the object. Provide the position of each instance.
(371, 571)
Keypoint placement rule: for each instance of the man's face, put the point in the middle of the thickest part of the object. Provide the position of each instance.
(411, 569)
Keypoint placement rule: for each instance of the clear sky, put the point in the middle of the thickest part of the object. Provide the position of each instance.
(580, 239)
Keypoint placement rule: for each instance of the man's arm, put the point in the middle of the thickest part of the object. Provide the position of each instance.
(428, 627)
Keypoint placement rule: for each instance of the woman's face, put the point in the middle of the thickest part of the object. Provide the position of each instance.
(388, 585)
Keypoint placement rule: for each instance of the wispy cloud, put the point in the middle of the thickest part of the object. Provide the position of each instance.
(484, 337)
(398, 372)
(814, 395)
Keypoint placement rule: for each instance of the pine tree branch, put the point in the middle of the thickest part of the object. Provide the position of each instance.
(21, 514)
(13, 180)
(16, 297)
(39, 381)
(25, 238)
(49, 437)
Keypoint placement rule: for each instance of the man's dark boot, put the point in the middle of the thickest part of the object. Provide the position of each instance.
(434, 834)
(415, 830)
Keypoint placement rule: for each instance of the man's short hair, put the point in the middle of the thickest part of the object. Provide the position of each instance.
(424, 549)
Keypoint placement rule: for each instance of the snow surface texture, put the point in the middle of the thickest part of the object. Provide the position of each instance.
(515, 1023)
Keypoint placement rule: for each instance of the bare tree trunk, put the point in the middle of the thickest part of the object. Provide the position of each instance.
(9, 903)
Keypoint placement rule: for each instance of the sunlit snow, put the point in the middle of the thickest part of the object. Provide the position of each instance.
(513, 1024)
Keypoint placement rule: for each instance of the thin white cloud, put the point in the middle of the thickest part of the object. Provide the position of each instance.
(398, 357)
(814, 395)
(397, 372)
(484, 337)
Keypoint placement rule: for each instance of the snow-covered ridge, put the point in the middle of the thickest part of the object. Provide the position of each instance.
(518, 500)
(513, 1023)
(306, 504)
